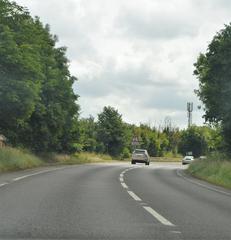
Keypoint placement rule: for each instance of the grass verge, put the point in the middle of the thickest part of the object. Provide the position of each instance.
(80, 158)
(166, 159)
(214, 171)
(12, 159)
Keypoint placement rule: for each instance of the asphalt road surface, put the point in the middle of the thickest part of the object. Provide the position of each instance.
(112, 201)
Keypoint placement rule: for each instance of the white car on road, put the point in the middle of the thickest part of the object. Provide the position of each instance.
(140, 156)
(187, 160)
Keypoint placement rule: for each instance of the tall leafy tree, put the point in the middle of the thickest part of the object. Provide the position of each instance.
(214, 74)
(193, 140)
(87, 135)
(19, 71)
(38, 107)
(200, 140)
(111, 131)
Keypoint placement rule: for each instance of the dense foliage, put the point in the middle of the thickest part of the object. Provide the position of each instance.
(38, 105)
(110, 131)
(213, 71)
(200, 140)
(112, 136)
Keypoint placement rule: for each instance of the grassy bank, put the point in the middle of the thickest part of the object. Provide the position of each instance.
(12, 159)
(79, 158)
(166, 159)
(214, 171)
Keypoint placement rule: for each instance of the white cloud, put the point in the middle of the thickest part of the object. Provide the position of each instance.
(135, 55)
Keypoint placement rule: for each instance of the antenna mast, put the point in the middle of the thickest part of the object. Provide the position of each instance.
(189, 111)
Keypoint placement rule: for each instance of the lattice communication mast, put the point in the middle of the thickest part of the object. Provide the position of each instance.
(189, 111)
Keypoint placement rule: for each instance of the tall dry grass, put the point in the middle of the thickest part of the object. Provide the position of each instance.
(16, 159)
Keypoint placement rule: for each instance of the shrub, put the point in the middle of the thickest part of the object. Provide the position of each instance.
(125, 153)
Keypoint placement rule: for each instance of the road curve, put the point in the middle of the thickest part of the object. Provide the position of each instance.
(112, 201)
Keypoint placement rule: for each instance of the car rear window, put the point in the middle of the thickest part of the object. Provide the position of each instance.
(139, 151)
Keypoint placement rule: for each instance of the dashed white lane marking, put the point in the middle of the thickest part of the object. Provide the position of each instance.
(150, 210)
(124, 185)
(3, 184)
(156, 215)
(134, 196)
(201, 184)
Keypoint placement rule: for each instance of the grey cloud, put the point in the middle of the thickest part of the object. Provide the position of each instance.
(225, 4)
(140, 77)
(136, 85)
(65, 21)
(154, 26)
(168, 98)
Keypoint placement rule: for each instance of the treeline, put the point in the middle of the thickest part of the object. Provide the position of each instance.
(109, 134)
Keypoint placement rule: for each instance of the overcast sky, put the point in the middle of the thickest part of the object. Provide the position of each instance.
(135, 55)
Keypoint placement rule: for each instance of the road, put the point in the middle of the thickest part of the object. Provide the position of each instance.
(112, 201)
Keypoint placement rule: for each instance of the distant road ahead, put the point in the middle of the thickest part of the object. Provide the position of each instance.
(112, 201)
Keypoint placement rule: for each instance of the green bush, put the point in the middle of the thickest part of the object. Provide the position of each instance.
(125, 153)
(172, 155)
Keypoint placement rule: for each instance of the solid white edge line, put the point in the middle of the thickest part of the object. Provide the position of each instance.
(124, 185)
(34, 174)
(201, 184)
(156, 215)
(121, 179)
(134, 196)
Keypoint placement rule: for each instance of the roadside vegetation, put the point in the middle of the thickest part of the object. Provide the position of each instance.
(216, 171)
(79, 158)
(166, 159)
(213, 72)
(12, 159)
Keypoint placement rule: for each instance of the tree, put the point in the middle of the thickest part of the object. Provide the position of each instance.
(36, 95)
(149, 140)
(200, 140)
(111, 131)
(87, 134)
(173, 136)
(19, 74)
(214, 74)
